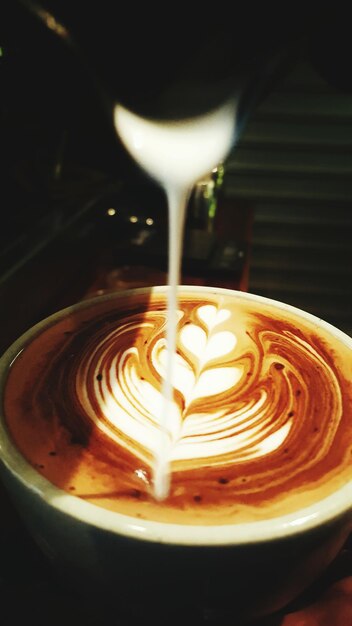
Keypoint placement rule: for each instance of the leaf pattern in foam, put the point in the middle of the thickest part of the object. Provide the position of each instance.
(210, 417)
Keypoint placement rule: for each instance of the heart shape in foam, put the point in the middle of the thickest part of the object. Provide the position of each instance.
(212, 415)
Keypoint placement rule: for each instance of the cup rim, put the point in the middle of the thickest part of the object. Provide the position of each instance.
(326, 510)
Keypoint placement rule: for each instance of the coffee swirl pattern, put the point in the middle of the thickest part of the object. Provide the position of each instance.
(261, 412)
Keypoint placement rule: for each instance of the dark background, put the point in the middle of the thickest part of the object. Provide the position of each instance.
(285, 199)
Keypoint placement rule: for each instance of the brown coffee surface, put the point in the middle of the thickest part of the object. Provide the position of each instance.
(262, 415)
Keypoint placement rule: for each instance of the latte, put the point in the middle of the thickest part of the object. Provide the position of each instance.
(261, 421)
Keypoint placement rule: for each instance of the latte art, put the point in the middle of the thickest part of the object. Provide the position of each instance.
(225, 402)
(126, 384)
(258, 411)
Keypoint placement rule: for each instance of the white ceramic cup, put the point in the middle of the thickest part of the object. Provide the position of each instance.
(245, 569)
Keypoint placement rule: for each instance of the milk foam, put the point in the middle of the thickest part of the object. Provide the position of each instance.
(211, 417)
(260, 419)
(176, 154)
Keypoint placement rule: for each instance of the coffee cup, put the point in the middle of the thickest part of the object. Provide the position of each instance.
(259, 447)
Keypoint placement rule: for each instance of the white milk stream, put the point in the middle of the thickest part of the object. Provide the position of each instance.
(176, 155)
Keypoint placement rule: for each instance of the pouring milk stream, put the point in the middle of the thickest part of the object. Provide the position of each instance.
(176, 154)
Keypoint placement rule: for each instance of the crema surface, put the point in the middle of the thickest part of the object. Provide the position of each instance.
(261, 420)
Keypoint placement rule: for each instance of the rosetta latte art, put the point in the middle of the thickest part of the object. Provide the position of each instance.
(261, 413)
(226, 404)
